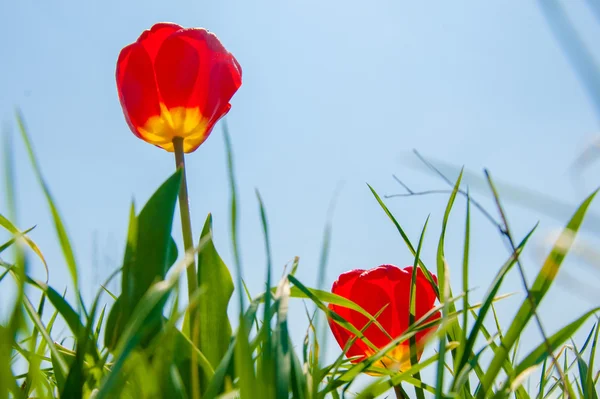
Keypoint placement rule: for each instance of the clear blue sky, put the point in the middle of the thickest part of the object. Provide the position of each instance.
(333, 91)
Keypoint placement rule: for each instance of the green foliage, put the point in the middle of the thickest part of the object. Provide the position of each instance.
(142, 348)
(215, 283)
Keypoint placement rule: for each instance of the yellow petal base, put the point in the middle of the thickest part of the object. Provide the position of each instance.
(396, 360)
(187, 123)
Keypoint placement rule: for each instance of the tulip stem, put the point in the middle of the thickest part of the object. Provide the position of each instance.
(400, 392)
(188, 243)
(184, 209)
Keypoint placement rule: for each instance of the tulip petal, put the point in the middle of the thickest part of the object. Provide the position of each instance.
(220, 75)
(137, 87)
(225, 80)
(373, 296)
(177, 66)
(343, 287)
(153, 38)
(342, 336)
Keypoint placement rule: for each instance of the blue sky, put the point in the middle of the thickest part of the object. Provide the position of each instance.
(334, 92)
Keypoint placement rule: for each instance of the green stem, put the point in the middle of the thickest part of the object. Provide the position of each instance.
(184, 209)
(399, 392)
(188, 243)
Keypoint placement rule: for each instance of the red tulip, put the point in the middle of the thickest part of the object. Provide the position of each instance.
(372, 290)
(176, 82)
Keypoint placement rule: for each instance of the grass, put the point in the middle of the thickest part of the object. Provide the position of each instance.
(142, 345)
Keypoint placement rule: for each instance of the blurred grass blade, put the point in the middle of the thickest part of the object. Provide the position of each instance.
(10, 242)
(580, 57)
(541, 352)
(8, 225)
(61, 232)
(233, 213)
(283, 342)
(244, 365)
(9, 176)
(590, 386)
(538, 290)
(321, 322)
(62, 366)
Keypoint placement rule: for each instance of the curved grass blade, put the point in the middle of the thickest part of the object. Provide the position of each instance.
(317, 296)
(7, 224)
(10, 242)
(62, 366)
(405, 238)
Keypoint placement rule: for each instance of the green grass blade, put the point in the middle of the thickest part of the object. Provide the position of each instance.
(334, 316)
(282, 340)
(8, 225)
(148, 256)
(543, 380)
(321, 322)
(63, 367)
(299, 386)
(268, 367)
(383, 385)
(541, 352)
(538, 290)
(439, 387)
(244, 365)
(441, 258)
(151, 304)
(233, 212)
(460, 351)
(493, 290)
(454, 331)
(590, 385)
(61, 231)
(215, 281)
(413, 310)
(317, 296)
(11, 242)
(405, 238)
(217, 381)
(9, 176)
(8, 383)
